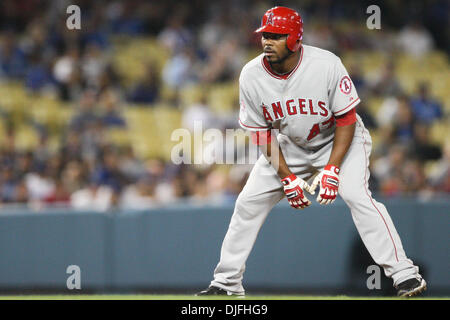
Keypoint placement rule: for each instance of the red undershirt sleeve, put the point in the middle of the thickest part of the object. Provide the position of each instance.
(261, 137)
(346, 119)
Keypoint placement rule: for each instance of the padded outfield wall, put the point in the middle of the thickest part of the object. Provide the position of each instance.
(176, 249)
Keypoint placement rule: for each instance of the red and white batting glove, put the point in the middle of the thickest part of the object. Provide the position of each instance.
(293, 188)
(329, 184)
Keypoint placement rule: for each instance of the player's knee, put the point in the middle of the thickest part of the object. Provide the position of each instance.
(246, 206)
(351, 194)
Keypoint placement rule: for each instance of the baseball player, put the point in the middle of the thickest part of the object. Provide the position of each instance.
(307, 95)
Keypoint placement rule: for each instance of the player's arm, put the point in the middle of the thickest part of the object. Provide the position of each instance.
(329, 177)
(268, 144)
(343, 99)
(343, 137)
(250, 118)
(293, 186)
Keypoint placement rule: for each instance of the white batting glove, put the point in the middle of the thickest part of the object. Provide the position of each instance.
(293, 188)
(328, 179)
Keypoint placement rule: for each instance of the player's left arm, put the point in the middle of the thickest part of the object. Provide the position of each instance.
(343, 137)
(343, 99)
(328, 178)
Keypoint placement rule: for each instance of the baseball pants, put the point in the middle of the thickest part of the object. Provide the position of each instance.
(264, 190)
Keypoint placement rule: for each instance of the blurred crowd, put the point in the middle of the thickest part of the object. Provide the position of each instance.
(207, 42)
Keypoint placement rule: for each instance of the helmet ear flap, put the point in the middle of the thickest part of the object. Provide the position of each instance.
(292, 43)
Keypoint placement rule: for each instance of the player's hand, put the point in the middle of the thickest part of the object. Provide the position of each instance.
(328, 179)
(293, 188)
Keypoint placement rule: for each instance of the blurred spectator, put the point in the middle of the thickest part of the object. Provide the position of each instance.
(60, 196)
(179, 70)
(198, 192)
(71, 146)
(366, 116)
(386, 83)
(36, 40)
(23, 163)
(42, 152)
(175, 36)
(321, 35)
(95, 28)
(440, 174)
(216, 184)
(21, 193)
(93, 64)
(147, 90)
(65, 71)
(129, 165)
(199, 112)
(93, 140)
(109, 79)
(388, 110)
(404, 123)
(108, 173)
(423, 149)
(390, 166)
(95, 197)
(38, 76)
(236, 179)
(224, 61)
(87, 112)
(8, 186)
(138, 196)
(125, 18)
(414, 39)
(73, 176)
(413, 177)
(111, 116)
(208, 43)
(426, 109)
(213, 31)
(189, 181)
(39, 184)
(13, 62)
(171, 183)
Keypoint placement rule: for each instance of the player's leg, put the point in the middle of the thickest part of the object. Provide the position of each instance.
(371, 218)
(261, 192)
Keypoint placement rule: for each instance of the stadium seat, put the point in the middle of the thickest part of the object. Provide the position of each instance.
(440, 131)
(26, 137)
(223, 97)
(131, 56)
(190, 94)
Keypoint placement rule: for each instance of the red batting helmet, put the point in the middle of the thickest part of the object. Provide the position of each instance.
(283, 20)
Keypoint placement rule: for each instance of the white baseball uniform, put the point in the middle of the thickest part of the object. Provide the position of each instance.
(302, 106)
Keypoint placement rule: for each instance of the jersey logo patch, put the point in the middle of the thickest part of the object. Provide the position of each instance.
(345, 85)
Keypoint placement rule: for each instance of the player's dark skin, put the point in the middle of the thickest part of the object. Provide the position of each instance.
(282, 60)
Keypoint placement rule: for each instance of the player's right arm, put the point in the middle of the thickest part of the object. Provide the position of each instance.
(293, 186)
(251, 118)
(267, 144)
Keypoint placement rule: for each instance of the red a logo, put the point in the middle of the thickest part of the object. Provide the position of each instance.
(315, 130)
(269, 19)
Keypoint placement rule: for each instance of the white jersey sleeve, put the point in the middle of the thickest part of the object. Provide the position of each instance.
(250, 117)
(342, 92)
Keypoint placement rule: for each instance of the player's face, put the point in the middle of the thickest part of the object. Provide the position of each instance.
(274, 46)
